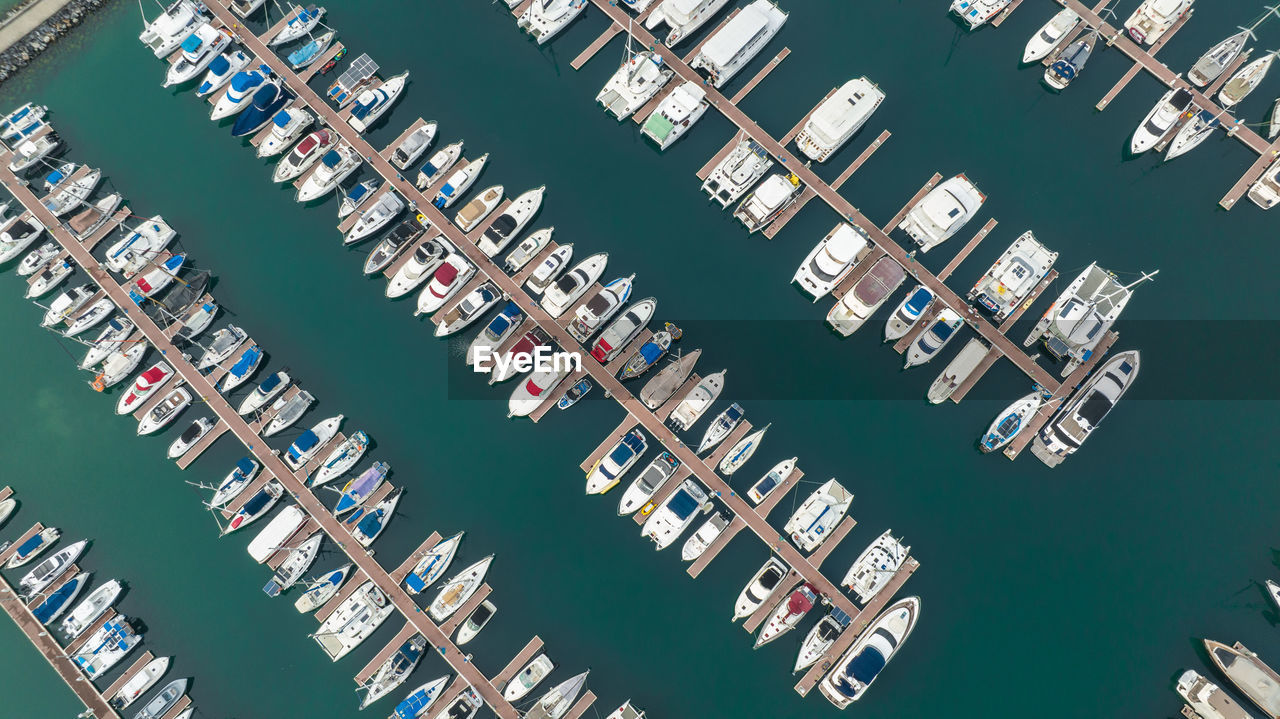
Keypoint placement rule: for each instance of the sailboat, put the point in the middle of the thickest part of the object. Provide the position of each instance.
(1213, 63)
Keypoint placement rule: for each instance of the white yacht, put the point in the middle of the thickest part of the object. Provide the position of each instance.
(603, 305)
(67, 193)
(90, 608)
(873, 569)
(353, 621)
(1153, 18)
(836, 120)
(37, 259)
(1081, 415)
(942, 212)
(1193, 132)
(67, 304)
(286, 127)
(647, 484)
(304, 155)
(738, 172)
(139, 683)
(420, 266)
(546, 18)
(511, 222)
(1012, 277)
(335, 166)
(696, 402)
(675, 515)
(528, 678)
(32, 151)
(866, 296)
(529, 248)
(1077, 321)
(1245, 81)
(682, 17)
(448, 279)
(533, 390)
(414, 146)
(1213, 63)
(705, 536)
(677, 112)
(777, 193)
(818, 515)
(1010, 422)
(221, 69)
(432, 565)
(301, 22)
(820, 638)
(381, 213)
(913, 306)
(19, 233)
(788, 613)
(763, 584)
(170, 28)
(470, 308)
(832, 259)
(572, 285)
(479, 208)
(957, 371)
(739, 453)
(459, 182)
(662, 385)
(1207, 699)
(976, 13)
(864, 661)
(734, 45)
(557, 702)
(549, 269)
(1158, 122)
(772, 480)
(459, 589)
(503, 326)
(615, 338)
(1250, 675)
(937, 335)
(1044, 41)
(1265, 192)
(198, 50)
(438, 164)
(639, 78)
(373, 103)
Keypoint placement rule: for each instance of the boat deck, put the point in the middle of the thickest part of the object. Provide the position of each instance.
(765, 508)
(1014, 316)
(107, 228)
(134, 668)
(312, 70)
(406, 632)
(391, 148)
(517, 662)
(682, 473)
(460, 616)
(191, 455)
(1060, 395)
(786, 586)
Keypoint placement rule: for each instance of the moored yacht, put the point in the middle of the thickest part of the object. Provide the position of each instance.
(235, 482)
(1265, 191)
(336, 165)
(525, 347)
(602, 306)
(836, 120)
(480, 206)
(1206, 698)
(1192, 133)
(557, 702)
(621, 331)
(198, 50)
(360, 488)
(459, 182)
(609, 469)
(1069, 62)
(438, 164)
(388, 248)
(353, 621)
(818, 515)
(459, 589)
(342, 458)
(239, 92)
(1085, 410)
(502, 326)
(1245, 81)
(762, 585)
(864, 661)
(696, 402)
(108, 340)
(33, 547)
(533, 390)
(703, 537)
(738, 172)
(1213, 63)
(424, 261)
(768, 201)
(1251, 676)
(288, 411)
(414, 146)
(675, 514)
(669, 379)
(421, 699)
(286, 127)
(445, 282)
(647, 484)
(394, 670)
(171, 27)
(16, 235)
(831, 260)
(866, 296)
(164, 413)
(936, 335)
(739, 453)
(302, 21)
(381, 213)
(957, 371)
(139, 683)
(190, 436)
(1013, 276)
(1081, 316)
(470, 308)
(772, 480)
(942, 212)
(682, 17)
(1044, 41)
(221, 69)
(1158, 122)
(639, 78)
(432, 565)
(677, 112)
(311, 51)
(820, 638)
(551, 268)
(976, 13)
(572, 285)
(306, 153)
(107, 646)
(30, 152)
(1010, 422)
(1153, 18)
(788, 613)
(546, 18)
(52, 276)
(309, 443)
(739, 40)
(265, 392)
(372, 104)
(873, 569)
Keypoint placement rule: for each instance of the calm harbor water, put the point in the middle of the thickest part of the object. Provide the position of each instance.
(1076, 592)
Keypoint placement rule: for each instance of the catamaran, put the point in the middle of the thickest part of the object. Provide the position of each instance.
(106, 647)
(677, 112)
(976, 13)
(1081, 316)
(640, 77)
(544, 19)
(1013, 276)
(168, 29)
(353, 621)
(738, 172)
(942, 212)
(877, 564)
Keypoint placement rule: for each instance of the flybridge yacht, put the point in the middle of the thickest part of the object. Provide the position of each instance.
(675, 515)
(864, 661)
(678, 112)
(942, 212)
(1153, 18)
(372, 104)
(635, 83)
(1077, 321)
(866, 296)
(1081, 414)
(740, 40)
(831, 260)
(198, 50)
(683, 17)
(1013, 276)
(696, 402)
(768, 201)
(818, 515)
(1161, 118)
(546, 18)
(1207, 698)
(976, 13)
(1043, 42)
(738, 172)
(838, 118)
(511, 222)
(170, 28)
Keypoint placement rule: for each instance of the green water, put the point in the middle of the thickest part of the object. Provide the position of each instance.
(1076, 592)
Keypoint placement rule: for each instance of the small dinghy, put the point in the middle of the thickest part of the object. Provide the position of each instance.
(1009, 423)
(742, 451)
(190, 436)
(164, 413)
(239, 478)
(341, 459)
(433, 564)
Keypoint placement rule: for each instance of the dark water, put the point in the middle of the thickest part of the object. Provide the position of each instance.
(1076, 592)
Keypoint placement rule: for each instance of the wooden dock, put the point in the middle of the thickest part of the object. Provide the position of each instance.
(596, 46)
(717, 158)
(735, 525)
(764, 72)
(517, 662)
(976, 374)
(833, 540)
(964, 252)
(402, 571)
(405, 634)
(861, 159)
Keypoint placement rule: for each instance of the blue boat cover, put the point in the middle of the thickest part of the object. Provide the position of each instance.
(246, 80)
(943, 331)
(54, 602)
(219, 65)
(919, 300)
(512, 309)
(621, 455)
(331, 159)
(245, 466)
(26, 547)
(304, 53)
(650, 352)
(265, 94)
(247, 361)
(359, 191)
(683, 504)
(371, 523)
(415, 583)
(305, 443)
(256, 503)
(55, 177)
(270, 383)
(281, 119)
(866, 665)
(192, 43)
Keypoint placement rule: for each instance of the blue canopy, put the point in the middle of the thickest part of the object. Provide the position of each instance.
(621, 454)
(54, 602)
(371, 523)
(305, 443)
(304, 53)
(331, 158)
(247, 361)
(683, 504)
(192, 43)
(281, 119)
(26, 547)
(270, 383)
(866, 665)
(918, 300)
(650, 352)
(264, 95)
(219, 65)
(55, 177)
(245, 466)
(246, 80)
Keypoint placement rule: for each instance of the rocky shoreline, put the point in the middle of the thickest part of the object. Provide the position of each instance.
(60, 23)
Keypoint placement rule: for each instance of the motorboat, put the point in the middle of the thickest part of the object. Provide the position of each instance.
(23, 122)
(190, 436)
(388, 248)
(445, 282)
(239, 92)
(1013, 276)
(1082, 315)
(1265, 191)
(355, 619)
(33, 547)
(394, 670)
(1245, 80)
(31, 152)
(820, 638)
(963, 364)
(16, 235)
(1048, 37)
(738, 172)
(976, 13)
(763, 205)
(370, 523)
(544, 19)
(605, 474)
(380, 214)
(420, 700)
(646, 485)
(626, 711)
(506, 366)
(1080, 415)
(535, 389)
(705, 536)
(310, 442)
(92, 316)
(650, 352)
(265, 392)
(511, 222)
(66, 305)
(637, 80)
(677, 112)
(302, 22)
(529, 677)
(358, 489)
(866, 296)
(1068, 64)
(742, 451)
(696, 402)
(320, 591)
(480, 207)
(89, 220)
(341, 459)
(940, 331)
(163, 701)
(1206, 698)
(106, 647)
(459, 182)
(527, 250)
(905, 316)
(242, 370)
(580, 389)
(336, 166)
(788, 613)
(669, 379)
(475, 622)
(171, 27)
(161, 274)
(1250, 675)
(139, 683)
(471, 307)
(413, 147)
(602, 306)
(832, 259)
(675, 514)
(225, 341)
(285, 411)
(942, 212)
(256, 507)
(165, 411)
(432, 565)
(48, 280)
(727, 50)
(682, 17)
(572, 285)
(838, 118)
(818, 515)
(310, 52)
(38, 258)
(355, 198)
(90, 608)
(116, 331)
(549, 269)
(458, 590)
(197, 322)
(858, 668)
(463, 706)
(1154, 18)
(221, 69)
(420, 266)
(763, 584)
(1010, 422)
(286, 127)
(1171, 106)
(306, 153)
(877, 564)
(1213, 63)
(1192, 133)
(68, 190)
(139, 247)
(721, 427)
(43, 574)
(119, 364)
(772, 480)
(440, 163)
(244, 472)
(619, 333)
(373, 103)
(198, 50)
